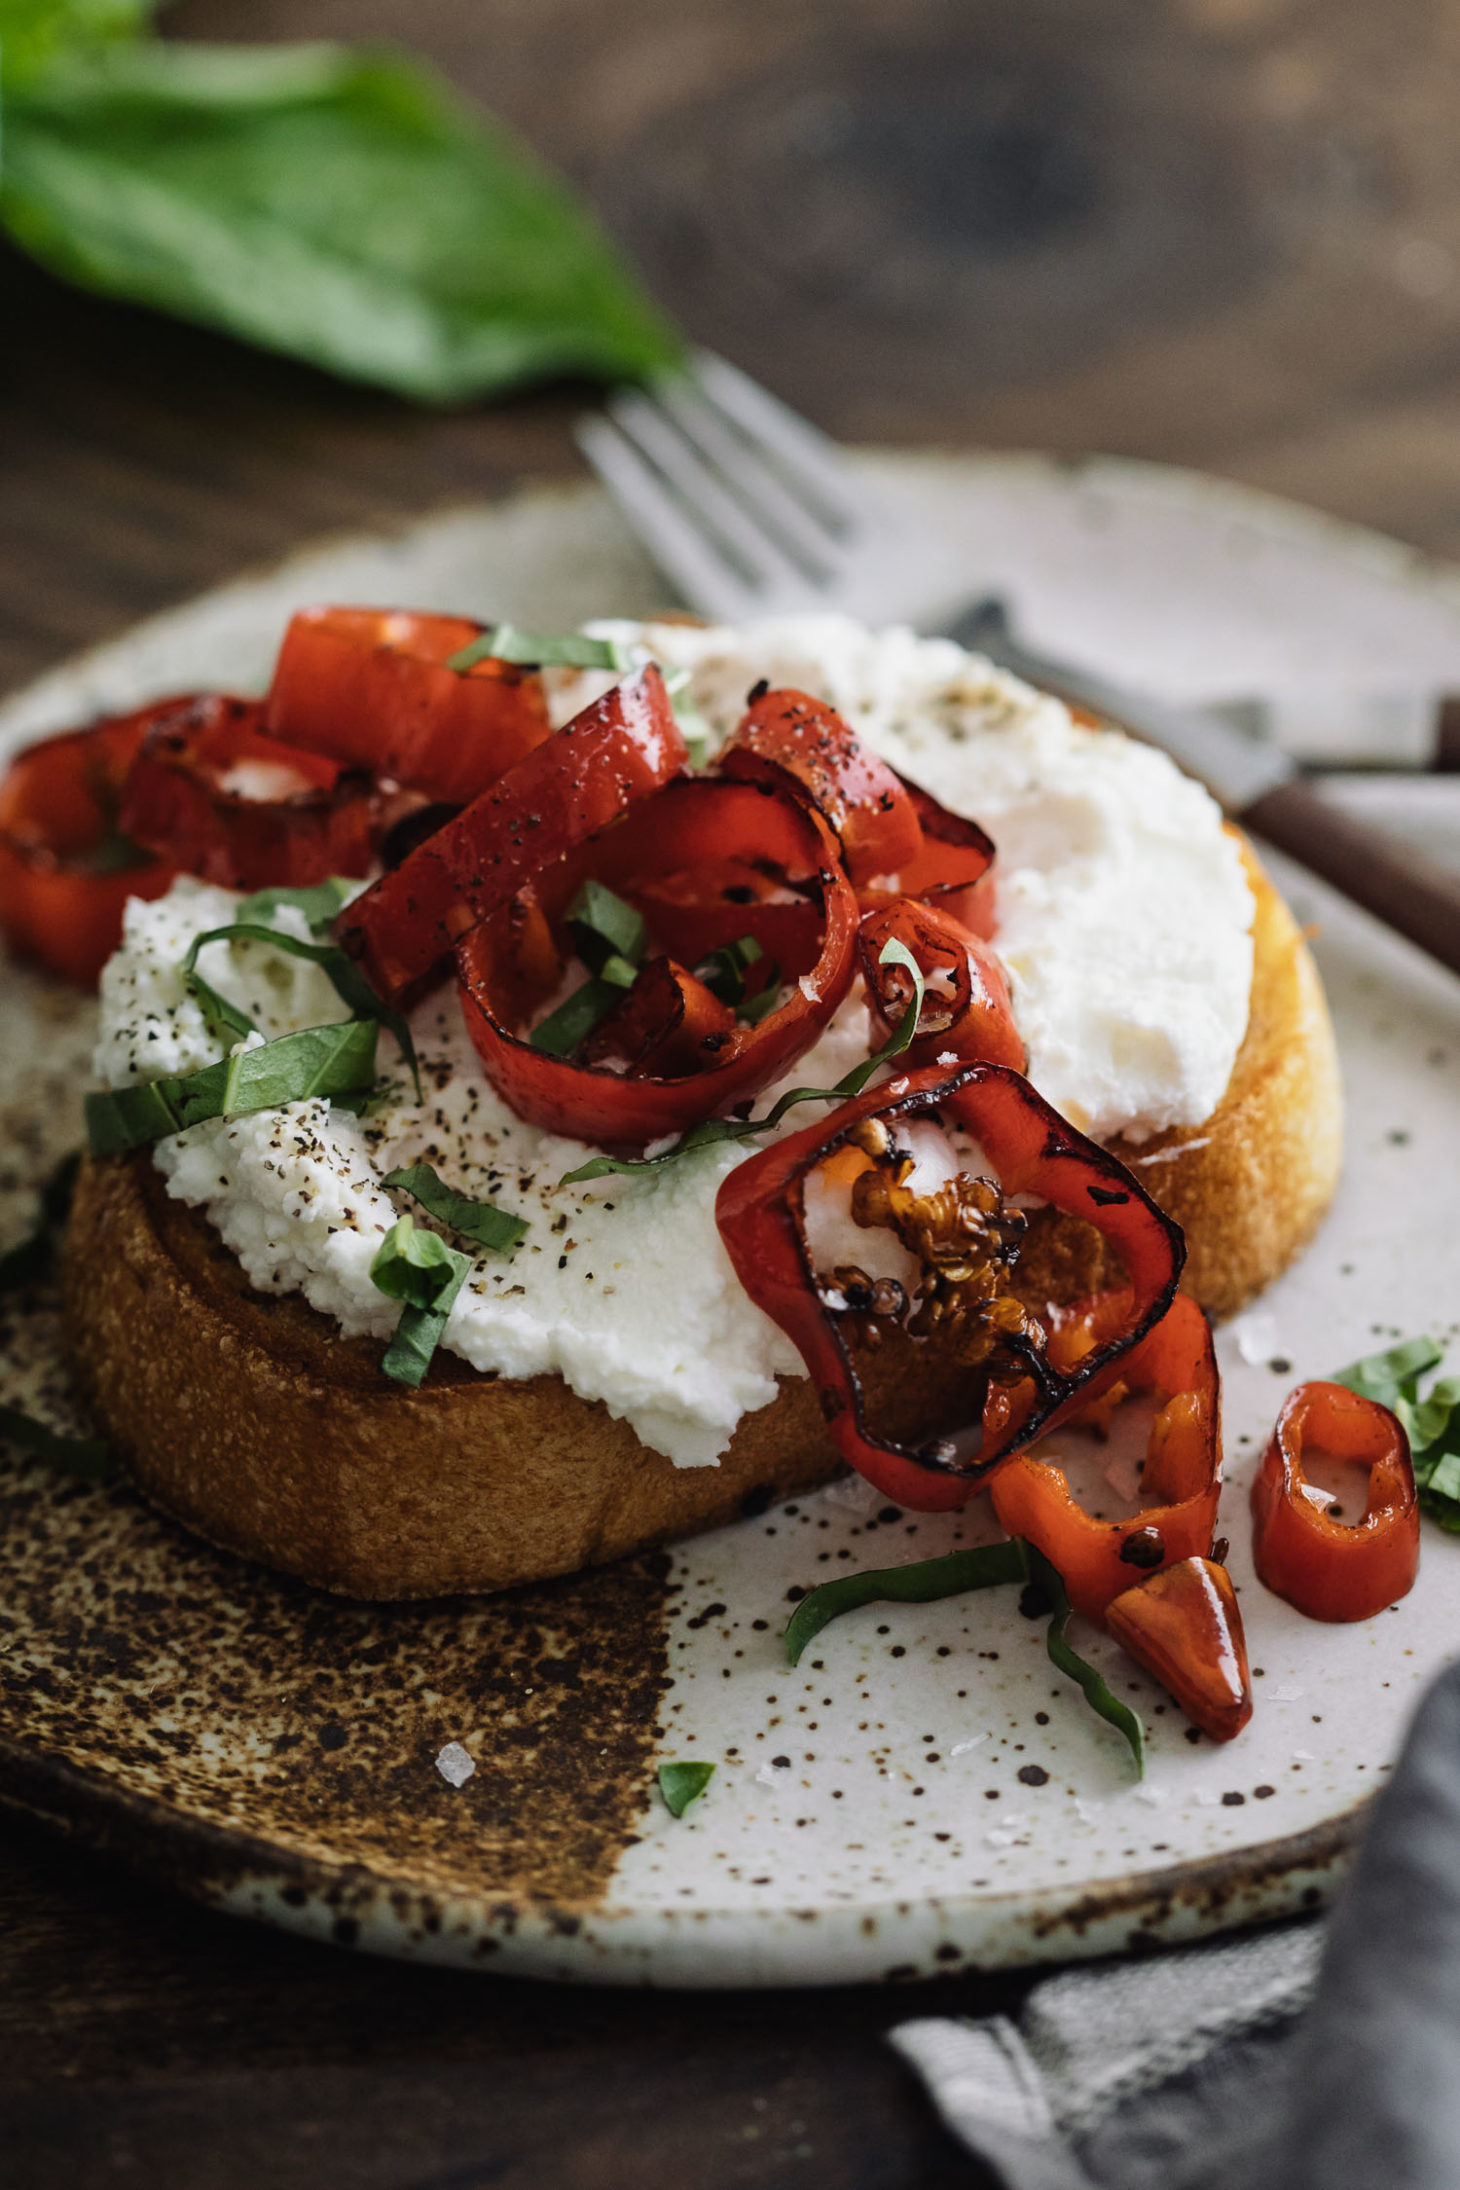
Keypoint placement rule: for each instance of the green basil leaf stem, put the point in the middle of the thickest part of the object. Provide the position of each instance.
(712, 1131)
(341, 206)
(30, 1258)
(84, 1456)
(329, 1060)
(986, 1566)
(682, 1784)
(1087, 1679)
(339, 969)
(420, 1270)
(475, 1220)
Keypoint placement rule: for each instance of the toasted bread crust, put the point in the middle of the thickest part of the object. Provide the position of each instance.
(252, 1421)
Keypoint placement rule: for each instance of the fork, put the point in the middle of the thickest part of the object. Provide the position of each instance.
(750, 511)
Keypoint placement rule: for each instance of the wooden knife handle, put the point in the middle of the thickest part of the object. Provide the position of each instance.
(1412, 893)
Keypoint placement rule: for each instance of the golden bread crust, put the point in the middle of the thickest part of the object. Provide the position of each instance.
(251, 1420)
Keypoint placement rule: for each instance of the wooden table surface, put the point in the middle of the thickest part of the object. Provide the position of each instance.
(1218, 232)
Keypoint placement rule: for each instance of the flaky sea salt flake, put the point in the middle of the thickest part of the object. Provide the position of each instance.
(455, 1764)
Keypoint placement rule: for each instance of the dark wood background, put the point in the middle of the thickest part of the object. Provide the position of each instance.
(1219, 232)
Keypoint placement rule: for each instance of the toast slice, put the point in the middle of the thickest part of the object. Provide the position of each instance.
(251, 1420)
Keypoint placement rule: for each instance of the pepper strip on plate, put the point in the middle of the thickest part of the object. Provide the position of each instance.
(66, 868)
(1031, 1150)
(209, 792)
(967, 1017)
(509, 963)
(372, 688)
(1182, 1478)
(1182, 1624)
(563, 792)
(1324, 1567)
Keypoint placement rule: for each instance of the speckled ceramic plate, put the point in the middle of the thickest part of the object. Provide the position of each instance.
(923, 1791)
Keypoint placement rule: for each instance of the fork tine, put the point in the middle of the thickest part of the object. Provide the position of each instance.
(704, 576)
(758, 484)
(767, 567)
(812, 456)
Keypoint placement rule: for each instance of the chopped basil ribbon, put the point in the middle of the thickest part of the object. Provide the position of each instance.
(952, 1575)
(723, 972)
(339, 969)
(30, 1259)
(542, 650)
(710, 1131)
(574, 650)
(319, 903)
(682, 1784)
(86, 1456)
(477, 1220)
(1431, 1423)
(1063, 1655)
(610, 938)
(332, 1060)
(420, 1270)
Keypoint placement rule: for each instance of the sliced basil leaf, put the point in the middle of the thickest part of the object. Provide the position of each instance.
(86, 1456)
(711, 1131)
(759, 1006)
(420, 1270)
(1430, 1421)
(723, 972)
(1089, 1681)
(984, 1567)
(544, 650)
(339, 969)
(682, 1784)
(573, 1021)
(693, 727)
(603, 925)
(478, 1220)
(332, 1060)
(320, 903)
(30, 1259)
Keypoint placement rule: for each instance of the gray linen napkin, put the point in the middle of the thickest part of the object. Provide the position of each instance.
(1280, 2059)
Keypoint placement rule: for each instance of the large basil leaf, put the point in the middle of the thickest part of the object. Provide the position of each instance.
(342, 206)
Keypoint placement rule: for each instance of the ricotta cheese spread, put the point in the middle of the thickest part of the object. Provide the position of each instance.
(1124, 918)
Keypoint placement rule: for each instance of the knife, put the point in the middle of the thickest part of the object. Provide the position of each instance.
(1255, 782)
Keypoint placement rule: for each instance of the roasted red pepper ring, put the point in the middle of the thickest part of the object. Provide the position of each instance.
(562, 793)
(209, 792)
(787, 736)
(669, 1022)
(1182, 1478)
(1032, 1150)
(370, 688)
(1182, 1624)
(953, 867)
(627, 1111)
(1322, 1566)
(65, 871)
(966, 1016)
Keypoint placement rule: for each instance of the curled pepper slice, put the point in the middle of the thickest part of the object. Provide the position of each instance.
(966, 1016)
(1182, 1478)
(66, 871)
(370, 688)
(1182, 1624)
(560, 794)
(1320, 1565)
(788, 737)
(211, 794)
(760, 1211)
(953, 867)
(687, 1058)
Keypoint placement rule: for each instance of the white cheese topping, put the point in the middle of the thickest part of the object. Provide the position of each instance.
(1124, 919)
